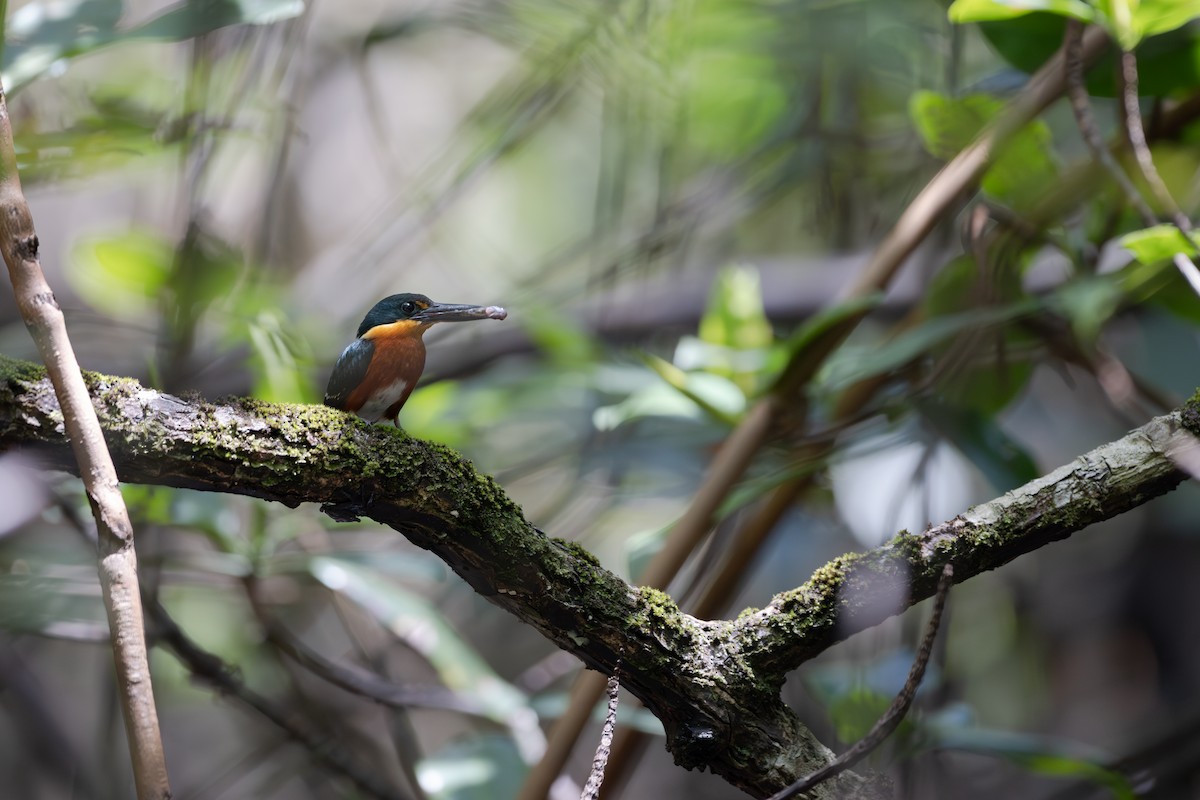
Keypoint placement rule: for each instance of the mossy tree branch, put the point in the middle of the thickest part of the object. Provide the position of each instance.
(714, 684)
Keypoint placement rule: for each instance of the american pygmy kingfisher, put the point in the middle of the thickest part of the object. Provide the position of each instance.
(374, 376)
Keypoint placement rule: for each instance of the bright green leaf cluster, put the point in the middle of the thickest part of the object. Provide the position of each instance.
(1129, 21)
(715, 374)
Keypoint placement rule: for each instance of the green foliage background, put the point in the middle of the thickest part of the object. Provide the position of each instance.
(668, 198)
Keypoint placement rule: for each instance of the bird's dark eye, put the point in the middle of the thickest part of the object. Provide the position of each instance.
(408, 307)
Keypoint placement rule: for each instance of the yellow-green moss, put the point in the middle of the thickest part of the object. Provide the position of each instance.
(15, 370)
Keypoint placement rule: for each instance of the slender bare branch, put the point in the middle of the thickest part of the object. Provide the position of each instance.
(1081, 107)
(1131, 118)
(367, 684)
(117, 559)
(1073, 44)
(591, 789)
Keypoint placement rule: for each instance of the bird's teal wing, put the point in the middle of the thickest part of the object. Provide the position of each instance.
(348, 374)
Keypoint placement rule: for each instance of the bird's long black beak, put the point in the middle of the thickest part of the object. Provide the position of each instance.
(449, 312)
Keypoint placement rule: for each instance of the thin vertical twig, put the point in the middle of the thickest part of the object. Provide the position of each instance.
(891, 718)
(1081, 107)
(1086, 122)
(591, 790)
(117, 559)
(1131, 117)
(1136, 133)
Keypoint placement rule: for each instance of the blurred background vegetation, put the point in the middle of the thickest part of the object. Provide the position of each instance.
(661, 194)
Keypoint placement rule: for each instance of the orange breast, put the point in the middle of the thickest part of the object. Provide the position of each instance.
(396, 365)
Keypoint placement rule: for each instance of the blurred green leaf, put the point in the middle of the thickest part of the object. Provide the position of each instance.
(852, 363)
(960, 284)
(856, 697)
(1117, 18)
(731, 92)
(1131, 21)
(1019, 175)
(1152, 276)
(827, 319)
(198, 17)
(752, 489)
(964, 11)
(1166, 62)
(980, 438)
(1001, 361)
(560, 338)
(1158, 243)
(477, 768)
(854, 714)
(41, 33)
(151, 504)
(121, 275)
(1000, 369)
(733, 323)
(1171, 291)
(116, 134)
(1039, 754)
(45, 32)
(1089, 302)
(206, 270)
(427, 414)
(735, 317)
(693, 354)
(281, 360)
(656, 400)
(715, 395)
(826, 322)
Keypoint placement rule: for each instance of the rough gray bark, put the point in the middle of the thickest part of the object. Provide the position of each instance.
(714, 684)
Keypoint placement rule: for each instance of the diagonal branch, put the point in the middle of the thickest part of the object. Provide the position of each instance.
(714, 684)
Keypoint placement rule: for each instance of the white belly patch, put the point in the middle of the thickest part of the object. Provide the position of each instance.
(377, 404)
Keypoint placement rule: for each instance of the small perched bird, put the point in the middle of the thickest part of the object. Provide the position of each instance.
(374, 376)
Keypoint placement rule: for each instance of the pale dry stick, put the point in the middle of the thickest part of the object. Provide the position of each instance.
(1136, 133)
(915, 223)
(891, 718)
(1082, 108)
(117, 559)
(591, 790)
